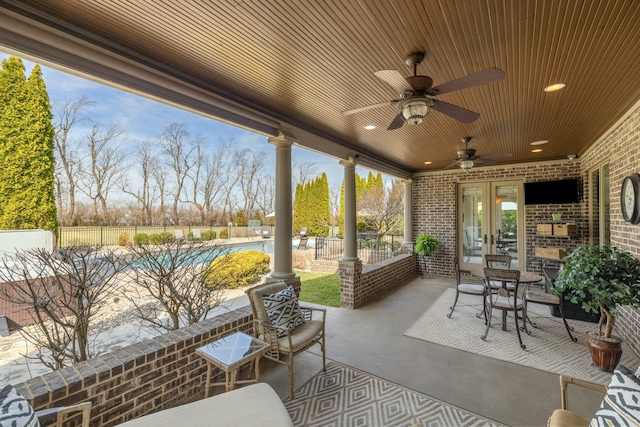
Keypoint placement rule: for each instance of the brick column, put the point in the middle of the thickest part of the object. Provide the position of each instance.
(350, 283)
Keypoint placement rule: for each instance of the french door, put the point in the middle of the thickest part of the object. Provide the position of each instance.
(490, 220)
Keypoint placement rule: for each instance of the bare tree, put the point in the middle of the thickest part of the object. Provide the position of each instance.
(181, 156)
(63, 295)
(303, 172)
(250, 169)
(68, 114)
(105, 169)
(175, 277)
(144, 193)
(219, 179)
(381, 208)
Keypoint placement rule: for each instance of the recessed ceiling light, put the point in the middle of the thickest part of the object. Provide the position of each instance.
(555, 87)
(537, 150)
(427, 163)
(369, 127)
(541, 142)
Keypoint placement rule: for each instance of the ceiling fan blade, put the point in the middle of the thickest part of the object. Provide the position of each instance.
(461, 114)
(494, 155)
(454, 164)
(397, 122)
(394, 79)
(368, 107)
(484, 161)
(490, 75)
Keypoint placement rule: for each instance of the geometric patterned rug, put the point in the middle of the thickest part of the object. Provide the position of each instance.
(346, 397)
(548, 347)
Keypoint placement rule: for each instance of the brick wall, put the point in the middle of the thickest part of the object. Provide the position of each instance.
(146, 377)
(621, 150)
(434, 207)
(434, 201)
(360, 285)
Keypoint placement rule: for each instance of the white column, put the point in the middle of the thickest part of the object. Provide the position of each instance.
(283, 266)
(407, 241)
(350, 244)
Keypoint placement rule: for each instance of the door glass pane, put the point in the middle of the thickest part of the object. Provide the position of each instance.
(594, 197)
(606, 207)
(472, 224)
(506, 221)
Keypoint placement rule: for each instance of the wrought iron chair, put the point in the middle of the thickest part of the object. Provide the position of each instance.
(292, 341)
(469, 289)
(543, 298)
(499, 261)
(503, 299)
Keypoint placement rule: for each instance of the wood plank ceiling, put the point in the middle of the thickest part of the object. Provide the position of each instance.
(307, 61)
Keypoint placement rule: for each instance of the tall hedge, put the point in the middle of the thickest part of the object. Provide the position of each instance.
(26, 148)
(311, 207)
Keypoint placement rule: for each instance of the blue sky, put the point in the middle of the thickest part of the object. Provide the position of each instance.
(143, 119)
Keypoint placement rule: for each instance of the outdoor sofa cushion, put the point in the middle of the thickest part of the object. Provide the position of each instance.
(621, 405)
(15, 410)
(256, 405)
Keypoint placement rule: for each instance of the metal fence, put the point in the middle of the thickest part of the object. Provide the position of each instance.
(78, 236)
(370, 249)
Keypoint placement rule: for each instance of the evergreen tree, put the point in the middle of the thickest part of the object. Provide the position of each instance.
(241, 219)
(26, 147)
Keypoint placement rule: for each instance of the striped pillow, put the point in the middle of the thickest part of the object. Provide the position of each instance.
(621, 405)
(15, 411)
(283, 309)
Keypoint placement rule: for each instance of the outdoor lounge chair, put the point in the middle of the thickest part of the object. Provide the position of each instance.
(178, 234)
(196, 234)
(302, 245)
(265, 231)
(285, 342)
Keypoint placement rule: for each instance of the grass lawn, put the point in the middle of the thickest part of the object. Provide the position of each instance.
(320, 288)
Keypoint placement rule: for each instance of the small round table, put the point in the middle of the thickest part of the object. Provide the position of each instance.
(526, 277)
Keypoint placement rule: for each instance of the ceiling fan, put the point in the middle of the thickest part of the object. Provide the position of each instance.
(415, 92)
(467, 158)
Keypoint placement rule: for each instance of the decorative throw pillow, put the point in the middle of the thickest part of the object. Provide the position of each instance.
(621, 405)
(15, 411)
(283, 309)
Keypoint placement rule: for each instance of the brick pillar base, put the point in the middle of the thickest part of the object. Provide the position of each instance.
(350, 275)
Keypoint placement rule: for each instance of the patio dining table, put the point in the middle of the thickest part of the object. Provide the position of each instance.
(526, 277)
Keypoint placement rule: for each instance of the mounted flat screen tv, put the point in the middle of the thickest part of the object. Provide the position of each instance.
(552, 192)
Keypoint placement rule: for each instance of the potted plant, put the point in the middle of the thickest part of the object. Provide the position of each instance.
(426, 245)
(601, 278)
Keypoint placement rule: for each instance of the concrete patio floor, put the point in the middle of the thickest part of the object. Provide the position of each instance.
(371, 339)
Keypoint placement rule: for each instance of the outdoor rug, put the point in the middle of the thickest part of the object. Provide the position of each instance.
(346, 397)
(548, 347)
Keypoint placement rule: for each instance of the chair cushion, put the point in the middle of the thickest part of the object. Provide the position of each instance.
(283, 309)
(15, 411)
(471, 288)
(504, 302)
(564, 418)
(301, 335)
(542, 298)
(621, 405)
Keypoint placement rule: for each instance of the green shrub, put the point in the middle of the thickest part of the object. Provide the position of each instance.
(155, 239)
(141, 239)
(167, 237)
(124, 240)
(224, 233)
(237, 269)
(208, 235)
(190, 235)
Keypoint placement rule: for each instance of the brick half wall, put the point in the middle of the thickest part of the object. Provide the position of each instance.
(146, 377)
(361, 285)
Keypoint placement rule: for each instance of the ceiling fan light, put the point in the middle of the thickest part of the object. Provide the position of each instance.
(415, 111)
(466, 164)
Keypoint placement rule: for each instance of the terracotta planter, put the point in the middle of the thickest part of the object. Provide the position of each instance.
(605, 352)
